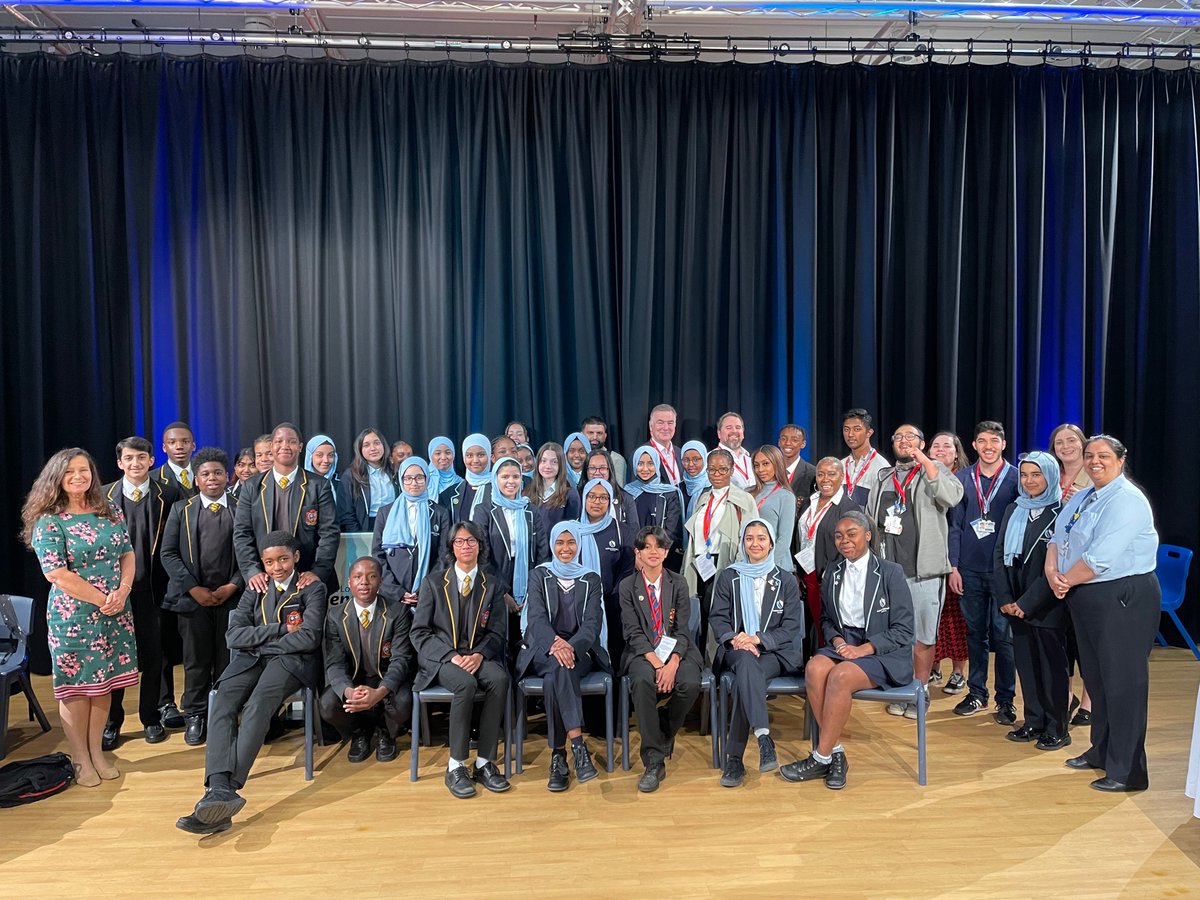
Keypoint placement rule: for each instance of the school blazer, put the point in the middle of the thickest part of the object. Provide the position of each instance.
(492, 520)
(824, 549)
(400, 563)
(637, 622)
(545, 594)
(352, 503)
(435, 621)
(165, 475)
(666, 511)
(180, 556)
(314, 526)
(344, 650)
(1024, 582)
(458, 500)
(258, 631)
(162, 498)
(888, 608)
(781, 625)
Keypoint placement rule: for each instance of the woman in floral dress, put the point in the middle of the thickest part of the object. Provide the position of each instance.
(86, 556)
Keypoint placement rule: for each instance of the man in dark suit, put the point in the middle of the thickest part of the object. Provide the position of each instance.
(459, 633)
(660, 657)
(275, 639)
(179, 444)
(801, 474)
(145, 503)
(662, 437)
(368, 666)
(197, 553)
(287, 498)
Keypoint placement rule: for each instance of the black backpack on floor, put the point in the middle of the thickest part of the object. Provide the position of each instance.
(27, 781)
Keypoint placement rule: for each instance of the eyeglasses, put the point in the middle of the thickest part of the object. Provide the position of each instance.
(906, 436)
(597, 470)
(465, 542)
(414, 479)
(720, 470)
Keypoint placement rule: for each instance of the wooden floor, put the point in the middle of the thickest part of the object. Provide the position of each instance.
(997, 820)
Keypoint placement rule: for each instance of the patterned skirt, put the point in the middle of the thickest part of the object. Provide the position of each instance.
(952, 631)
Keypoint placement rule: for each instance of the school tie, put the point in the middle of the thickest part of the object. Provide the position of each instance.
(365, 619)
(185, 481)
(214, 507)
(466, 586)
(656, 611)
(283, 482)
(137, 494)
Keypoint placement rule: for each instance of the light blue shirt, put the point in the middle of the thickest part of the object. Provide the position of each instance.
(1114, 535)
(383, 491)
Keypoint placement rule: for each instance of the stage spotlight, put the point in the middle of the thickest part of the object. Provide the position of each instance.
(68, 35)
(784, 48)
(216, 35)
(506, 45)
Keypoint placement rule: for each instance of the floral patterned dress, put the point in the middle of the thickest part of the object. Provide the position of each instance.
(94, 654)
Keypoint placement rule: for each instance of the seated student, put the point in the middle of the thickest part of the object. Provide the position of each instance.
(243, 468)
(606, 548)
(562, 644)
(205, 584)
(262, 453)
(368, 485)
(867, 619)
(1039, 619)
(551, 490)
(658, 501)
(401, 450)
(660, 658)
(757, 620)
(179, 445)
(442, 476)
(458, 632)
(275, 639)
(576, 448)
(462, 498)
(320, 456)
(368, 666)
(408, 534)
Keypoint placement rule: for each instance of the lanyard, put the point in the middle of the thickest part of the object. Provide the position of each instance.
(668, 461)
(851, 485)
(769, 496)
(813, 519)
(1087, 500)
(745, 473)
(708, 517)
(902, 489)
(985, 503)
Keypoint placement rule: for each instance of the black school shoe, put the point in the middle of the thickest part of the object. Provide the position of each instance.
(768, 761)
(734, 772)
(192, 825)
(111, 738)
(170, 716)
(652, 778)
(1024, 735)
(489, 776)
(197, 731)
(385, 746)
(459, 783)
(835, 779)
(807, 769)
(217, 805)
(560, 775)
(360, 747)
(1054, 743)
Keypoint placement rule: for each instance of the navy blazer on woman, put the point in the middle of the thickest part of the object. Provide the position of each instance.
(545, 594)
(492, 520)
(887, 605)
(1024, 582)
(400, 563)
(615, 545)
(353, 503)
(781, 626)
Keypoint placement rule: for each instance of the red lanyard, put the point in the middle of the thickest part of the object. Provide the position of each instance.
(769, 496)
(708, 516)
(851, 485)
(668, 461)
(745, 473)
(985, 503)
(816, 519)
(902, 489)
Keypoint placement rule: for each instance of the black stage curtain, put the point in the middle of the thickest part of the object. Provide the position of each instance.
(438, 248)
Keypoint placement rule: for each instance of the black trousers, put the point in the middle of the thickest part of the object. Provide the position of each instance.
(172, 653)
(241, 714)
(616, 631)
(492, 681)
(392, 713)
(205, 654)
(147, 633)
(1115, 624)
(656, 724)
(562, 696)
(1041, 658)
(704, 592)
(750, 676)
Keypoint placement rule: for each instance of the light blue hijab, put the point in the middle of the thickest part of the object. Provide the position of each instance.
(589, 553)
(443, 481)
(656, 485)
(587, 446)
(695, 484)
(749, 571)
(520, 535)
(484, 478)
(396, 532)
(311, 447)
(1014, 533)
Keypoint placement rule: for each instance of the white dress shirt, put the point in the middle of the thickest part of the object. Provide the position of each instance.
(850, 598)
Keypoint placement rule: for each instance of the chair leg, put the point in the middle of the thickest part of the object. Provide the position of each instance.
(1183, 631)
(624, 716)
(5, 690)
(608, 721)
(519, 726)
(35, 708)
(426, 737)
(414, 732)
(508, 732)
(310, 713)
(714, 725)
(922, 708)
(1161, 641)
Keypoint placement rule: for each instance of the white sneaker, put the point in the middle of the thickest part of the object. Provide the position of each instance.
(895, 709)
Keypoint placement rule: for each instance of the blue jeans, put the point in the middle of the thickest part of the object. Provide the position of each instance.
(987, 630)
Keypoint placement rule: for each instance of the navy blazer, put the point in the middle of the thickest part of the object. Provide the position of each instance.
(781, 626)
(887, 605)
(1024, 582)
(568, 512)
(352, 503)
(458, 500)
(545, 593)
(181, 562)
(400, 563)
(434, 635)
(615, 546)
(665, 511)
(491, 519)
(344, 652)
(258, 630)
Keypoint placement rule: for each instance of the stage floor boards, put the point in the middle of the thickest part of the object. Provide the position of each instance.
(997, 819)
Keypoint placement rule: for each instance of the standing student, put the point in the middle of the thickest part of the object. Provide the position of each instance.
(462, 498)
(1037, 617)
(606, 548)
(600, 464)
(731, 432)
(575, 449)
(596, 431)
(864, 461)
(369, 484)
(179, 444)
(243, 468)
(503, 447)
(517, 431)
(320, 456)
(262, 453)
(662, 439)
(84, 552)
(694, 460)
(551, 490)
(458, 632)
(815, 528)
(401, 450)
(659, 502)
(287, 498)
(563, 644)
(660, 658)
(205, 584)
(758, 624)
(442, 477)
(525, 458)
(801, 474)
(408, 534)
(989, 487)
(947, 448)
(145, 503)
(275, 642)
(775, 501)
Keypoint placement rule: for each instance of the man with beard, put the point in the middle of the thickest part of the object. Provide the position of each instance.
(731, 432)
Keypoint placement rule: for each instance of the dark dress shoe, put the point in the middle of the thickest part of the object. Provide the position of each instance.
(734, 772)
(1083, 717)
(1024, 735)
(360, 747)
(489, 776)
(1054, 743)
(1115, 787)
(218, 805)
(560, 775)
(584, 770)
(459, 783)
(807, 769)
(197, 731)
(192, 825)
(835, 780)
(1081, 762)
(111, 738)
(170, 716)
(767, 760)
(385, 746)
(155, 734)
(652, 778)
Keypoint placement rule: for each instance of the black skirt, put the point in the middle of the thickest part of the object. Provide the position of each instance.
(872, 665)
